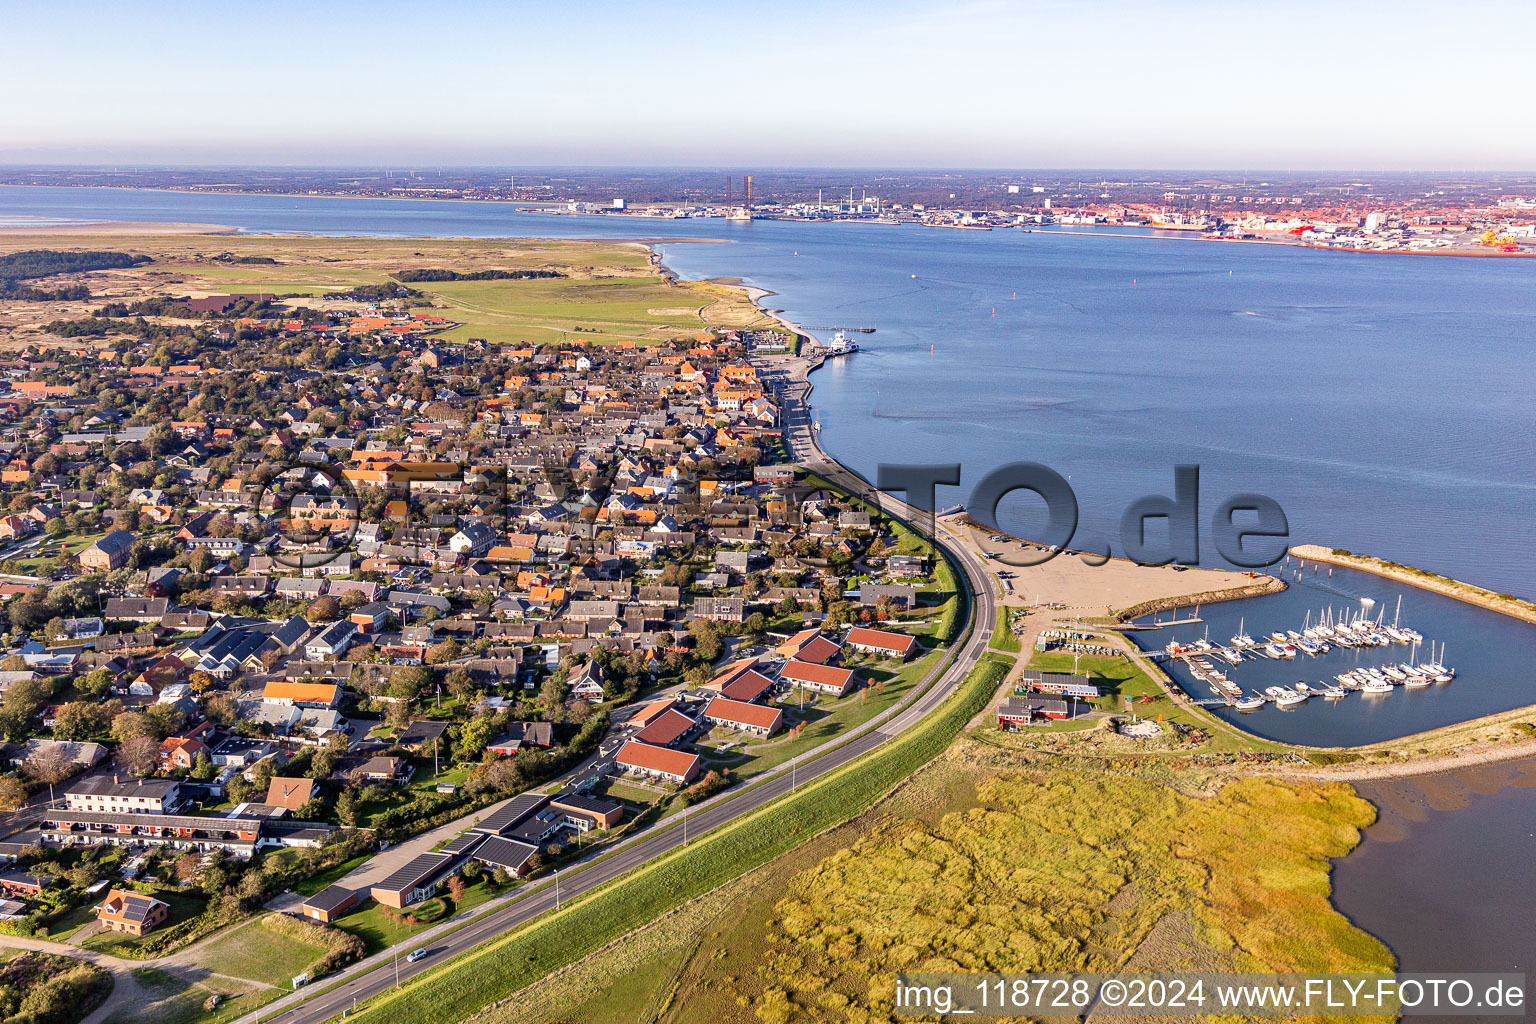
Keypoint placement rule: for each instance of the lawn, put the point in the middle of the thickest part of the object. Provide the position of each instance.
(626, 793)
(72, 921)
(314, 883)
(645, 310)
(73, 543)
(252, 952)
(611, 291)
(179, 998)
(1003, 638)
(828, 717)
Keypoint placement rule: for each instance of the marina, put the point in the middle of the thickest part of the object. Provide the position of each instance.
(1349, 657)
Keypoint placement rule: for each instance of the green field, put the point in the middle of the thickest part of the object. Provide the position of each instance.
(32, 560)
(255, 953)
(179, 997)
(611, 292)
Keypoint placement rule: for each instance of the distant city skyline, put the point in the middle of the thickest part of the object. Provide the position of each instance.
(1346, 86)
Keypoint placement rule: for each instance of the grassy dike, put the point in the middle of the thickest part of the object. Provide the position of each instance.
(502, 967)
(1002, 635)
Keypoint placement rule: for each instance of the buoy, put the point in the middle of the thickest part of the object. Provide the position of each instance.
(994, 311)
(1133, 280)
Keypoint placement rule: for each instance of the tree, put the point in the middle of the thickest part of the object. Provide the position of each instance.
(13, 793)
(132, 725)
(501, 877)
(222, 708)
(441, 652)
(20, 704)
(398, 715)
(475, 736)
(346, 807)
(139, 755)
(552, 693)
(203, 770)
(95, 684)
(409, 681)
(164, 720)
(188, 867)
(456, 888)
(81, 720)
(200, 561)
(50, 765)
(324, 609)
(706, 640)
(460, 682)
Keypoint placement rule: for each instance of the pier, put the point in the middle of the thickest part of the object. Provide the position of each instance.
(1313, 640)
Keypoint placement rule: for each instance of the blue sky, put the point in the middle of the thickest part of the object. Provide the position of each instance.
(1192, 83)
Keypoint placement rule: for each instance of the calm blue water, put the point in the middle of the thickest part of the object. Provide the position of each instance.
(1493, 656)
(1423, 875)
(1385, 402)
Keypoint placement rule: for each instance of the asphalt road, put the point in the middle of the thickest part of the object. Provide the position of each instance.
(669, 836)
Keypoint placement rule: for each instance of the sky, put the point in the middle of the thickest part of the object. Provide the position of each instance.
(1344, 85)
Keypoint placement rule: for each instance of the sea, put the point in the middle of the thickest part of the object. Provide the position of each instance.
(1385, 402)
(1444, 875)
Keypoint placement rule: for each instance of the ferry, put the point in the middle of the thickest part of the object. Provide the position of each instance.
(841, 345)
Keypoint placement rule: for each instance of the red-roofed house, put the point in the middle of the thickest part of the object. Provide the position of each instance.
(666, 729)
(810, 645)
(878, 641)
(181, 752)
(661, 763)
(820, 678)
(743, 717)
(748, 686)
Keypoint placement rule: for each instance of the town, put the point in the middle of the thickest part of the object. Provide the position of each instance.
(312, 610)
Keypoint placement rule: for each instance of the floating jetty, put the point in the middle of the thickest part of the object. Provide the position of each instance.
(1312, 640)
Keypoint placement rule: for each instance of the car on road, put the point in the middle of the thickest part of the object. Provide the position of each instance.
(416, 954)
